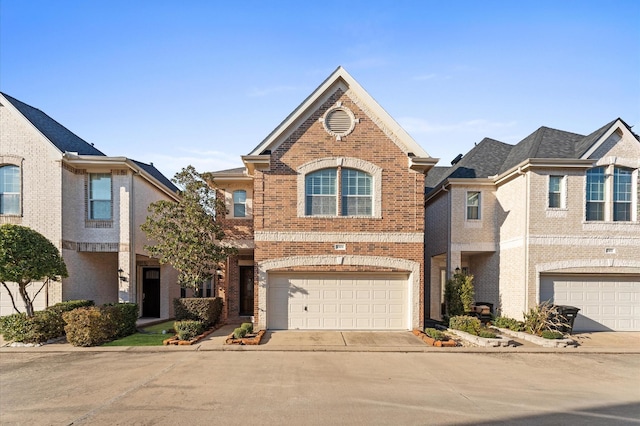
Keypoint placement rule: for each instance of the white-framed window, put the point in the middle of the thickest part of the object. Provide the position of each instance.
(9, 190)
(321, 193)
(556, 192)
(240, 203)
(611, 194)
(99, 196)
(355, 192)
(473, 205)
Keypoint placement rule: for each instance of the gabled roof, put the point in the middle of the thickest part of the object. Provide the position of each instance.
(484, 160)
(61, 137)
(340, 78)
(150, 168)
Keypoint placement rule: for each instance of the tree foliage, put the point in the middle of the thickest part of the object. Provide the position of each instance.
(26, 256)
(459, 294)
(186, 233)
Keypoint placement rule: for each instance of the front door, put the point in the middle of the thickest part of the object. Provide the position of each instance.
(151, 292)
(246, 290)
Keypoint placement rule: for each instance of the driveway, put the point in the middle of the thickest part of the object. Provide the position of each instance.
(192, 387)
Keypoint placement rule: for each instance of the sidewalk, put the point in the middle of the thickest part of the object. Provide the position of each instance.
(357, 341)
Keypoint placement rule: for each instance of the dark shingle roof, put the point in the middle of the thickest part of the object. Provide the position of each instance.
(484, 160)
(543, 143)
(149, 168)
(60, 136)
(589, 140)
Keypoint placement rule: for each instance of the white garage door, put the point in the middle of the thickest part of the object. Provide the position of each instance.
(606, 302)
(338, 302)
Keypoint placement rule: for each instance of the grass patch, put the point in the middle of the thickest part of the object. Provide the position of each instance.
(151, 337)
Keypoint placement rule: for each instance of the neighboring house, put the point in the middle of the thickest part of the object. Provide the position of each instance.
(554, 217)
(89, 206)
(328, 218)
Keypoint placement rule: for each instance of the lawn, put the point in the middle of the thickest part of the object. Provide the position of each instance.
(152, 336)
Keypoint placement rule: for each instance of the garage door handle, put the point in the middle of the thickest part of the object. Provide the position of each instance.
(305, 309)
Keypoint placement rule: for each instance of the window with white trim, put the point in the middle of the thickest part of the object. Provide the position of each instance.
(355, 192)
(556, 192)
(10, 190)
(239, 203)
(473, 205)
(100, 196)
(610, 194)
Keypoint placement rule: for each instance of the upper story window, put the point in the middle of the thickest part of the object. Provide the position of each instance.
(10, 190)
(100, 196)
(239, 203)
(356, 193)
(473, 205)
(321, 193)
(610, 194)
(556, 192)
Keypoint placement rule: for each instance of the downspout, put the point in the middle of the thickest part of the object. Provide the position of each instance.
(133, 278)
(526, 240)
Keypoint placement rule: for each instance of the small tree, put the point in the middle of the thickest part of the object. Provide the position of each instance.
(187, 233)
(26, 256)
(459, 294)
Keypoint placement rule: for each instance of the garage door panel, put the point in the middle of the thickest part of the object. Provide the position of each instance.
(605, 302)
(349, 302)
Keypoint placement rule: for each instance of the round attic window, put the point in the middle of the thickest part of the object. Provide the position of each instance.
(339, 121)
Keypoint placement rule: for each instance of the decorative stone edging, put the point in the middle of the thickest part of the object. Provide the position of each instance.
(433, 342)
(547, 343)
(254, 339)
(176, 341)
(483, 341)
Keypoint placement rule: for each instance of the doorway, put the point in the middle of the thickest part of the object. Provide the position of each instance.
(151, 292)
(246, 290)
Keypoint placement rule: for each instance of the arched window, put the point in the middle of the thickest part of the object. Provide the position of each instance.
(239, 203)
(321, 193)
(356, 193)
(610, 194)
(10, 190)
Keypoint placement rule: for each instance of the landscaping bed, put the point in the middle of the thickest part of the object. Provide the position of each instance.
(483, 341)
(175, 340)
(547, 343)
(248, 339)
(433, 342)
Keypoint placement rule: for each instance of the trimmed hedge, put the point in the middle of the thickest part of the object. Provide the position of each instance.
(126, 318)
(204, 309)
(468, 324)
(247, 326)
(239, 333)
(188, 329)
(44, 325)
(90, 326)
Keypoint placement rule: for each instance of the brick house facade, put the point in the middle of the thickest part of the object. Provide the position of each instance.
(331, 231)
(89, 205)
(554, 217)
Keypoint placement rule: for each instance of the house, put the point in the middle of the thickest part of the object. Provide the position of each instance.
(89, 205)
(552, 218)
(328, 218)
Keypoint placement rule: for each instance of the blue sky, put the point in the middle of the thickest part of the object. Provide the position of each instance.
(203, 82)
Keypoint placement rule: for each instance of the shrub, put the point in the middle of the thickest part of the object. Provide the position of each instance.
(239, 333)
(487, 334)
(90, 326)
(204, 309)
(471, 325)
(435, 334)
(510, 323)
(188, 329)
(549, 334)
(125, 318)
(42, 326)
(543, 317)
(459, 294)
(70, 305)
(247, 326)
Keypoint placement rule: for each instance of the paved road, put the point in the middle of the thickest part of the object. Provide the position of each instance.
(186, 387)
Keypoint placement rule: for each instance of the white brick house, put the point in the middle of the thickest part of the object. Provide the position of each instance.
(554, 217)
(88, 205)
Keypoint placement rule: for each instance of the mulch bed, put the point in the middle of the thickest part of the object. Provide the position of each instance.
(433, 342)
(249, 339)
(176, 341)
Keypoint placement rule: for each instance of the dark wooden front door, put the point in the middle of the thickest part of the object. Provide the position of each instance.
(151, 292)
(246, 290)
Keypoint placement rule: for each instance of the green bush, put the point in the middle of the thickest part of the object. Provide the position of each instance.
(239, 333)
(435, 334)
(459, 294)
(471, 325)
(125, 318)
(510, 323)
(204, 309)
(247, 326)
(91, 326)
(70, 305)
(550, 334)
(188, 329)
(487, 334)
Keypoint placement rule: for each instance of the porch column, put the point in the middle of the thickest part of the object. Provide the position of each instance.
(126, 275)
